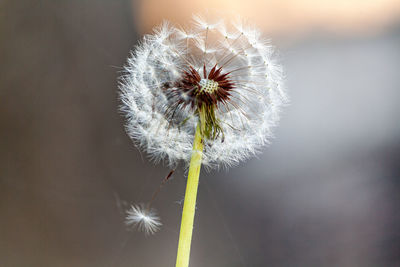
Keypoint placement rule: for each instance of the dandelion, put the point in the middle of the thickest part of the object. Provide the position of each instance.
(208, 95)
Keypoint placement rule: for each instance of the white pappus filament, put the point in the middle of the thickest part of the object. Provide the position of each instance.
(143, 218)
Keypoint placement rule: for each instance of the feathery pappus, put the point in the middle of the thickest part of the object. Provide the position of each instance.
(144, 218)
(223, 76)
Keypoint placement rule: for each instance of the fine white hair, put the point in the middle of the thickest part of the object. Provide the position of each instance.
(247, 118)
(143, 218)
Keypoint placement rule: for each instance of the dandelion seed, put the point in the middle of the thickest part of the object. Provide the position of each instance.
(143, 218)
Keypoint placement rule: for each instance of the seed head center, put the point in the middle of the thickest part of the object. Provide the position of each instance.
(208, 86)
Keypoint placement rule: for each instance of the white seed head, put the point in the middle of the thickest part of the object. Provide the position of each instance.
(227, 69)
(143, 218)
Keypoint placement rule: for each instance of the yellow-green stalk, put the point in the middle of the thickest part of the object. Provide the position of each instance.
(189, 206)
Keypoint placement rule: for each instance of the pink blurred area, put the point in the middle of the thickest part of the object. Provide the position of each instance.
(285, 17)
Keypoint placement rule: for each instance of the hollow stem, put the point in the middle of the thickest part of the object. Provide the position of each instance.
(189, 205)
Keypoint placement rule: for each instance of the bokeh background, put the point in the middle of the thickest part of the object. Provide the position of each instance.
(326, 192)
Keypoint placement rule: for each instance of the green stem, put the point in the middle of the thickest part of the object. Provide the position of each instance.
(189, 206)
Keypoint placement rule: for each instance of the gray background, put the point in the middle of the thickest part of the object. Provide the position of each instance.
(325, 193)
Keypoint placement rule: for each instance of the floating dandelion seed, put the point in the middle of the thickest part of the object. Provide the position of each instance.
(144, 218)
(209, 95)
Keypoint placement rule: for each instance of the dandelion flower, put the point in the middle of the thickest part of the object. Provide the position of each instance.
(223, 75)
(144, 218)
(206, 95)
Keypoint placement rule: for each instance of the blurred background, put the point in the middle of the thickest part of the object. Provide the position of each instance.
(326, 192)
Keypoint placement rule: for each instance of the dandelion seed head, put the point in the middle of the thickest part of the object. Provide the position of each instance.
(143, 218)
(224, 76)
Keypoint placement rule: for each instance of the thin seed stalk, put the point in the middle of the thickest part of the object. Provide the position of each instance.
(189, 205)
